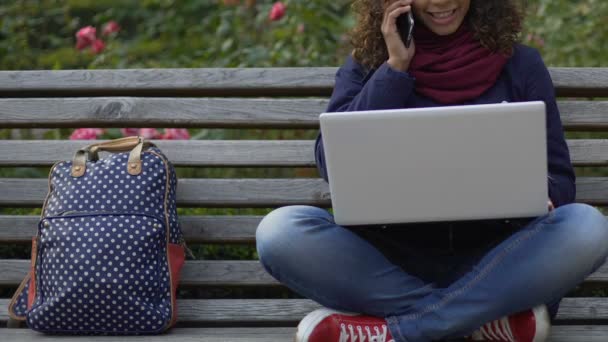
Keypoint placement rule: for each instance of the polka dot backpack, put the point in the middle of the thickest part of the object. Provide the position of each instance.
(108, 252)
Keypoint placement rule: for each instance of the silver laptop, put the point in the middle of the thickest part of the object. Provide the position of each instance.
(437, 164)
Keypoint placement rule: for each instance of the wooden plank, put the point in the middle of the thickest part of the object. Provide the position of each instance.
(583, 309)
(196, 229)
(210, 273)
(214, 112)
(160, 112)
(584, 115)
(230, 82)
(266, 334)
(194, 273)
(207, 153)
(250, 193)
(575, 333)
(600, 276)
(237, 153)
(241, 193)
(588, 152)
(293, 310)
(579, 333)
(170, 82)
(586, 82)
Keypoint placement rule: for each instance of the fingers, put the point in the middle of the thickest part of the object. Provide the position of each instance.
(390, 6)
(399, 55)
(392, 12)
(395, 9)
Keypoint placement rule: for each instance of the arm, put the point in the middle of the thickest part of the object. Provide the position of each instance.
(561, 178)
(357, 90)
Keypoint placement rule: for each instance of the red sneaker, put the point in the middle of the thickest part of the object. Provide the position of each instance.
(325, 325)
(527, 326)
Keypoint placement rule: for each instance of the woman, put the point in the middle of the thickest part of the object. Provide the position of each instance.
(494, 281)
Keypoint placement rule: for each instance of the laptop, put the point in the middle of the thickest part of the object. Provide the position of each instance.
(455, 163)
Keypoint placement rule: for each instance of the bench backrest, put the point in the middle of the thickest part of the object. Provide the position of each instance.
(250, 99)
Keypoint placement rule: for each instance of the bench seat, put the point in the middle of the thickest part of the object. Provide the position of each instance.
(271, 172)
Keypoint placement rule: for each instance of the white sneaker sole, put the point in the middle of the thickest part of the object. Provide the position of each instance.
(543, 323)
(307, 324)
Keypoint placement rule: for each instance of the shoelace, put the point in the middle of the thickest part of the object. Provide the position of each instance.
(352, 333)
(498, 330)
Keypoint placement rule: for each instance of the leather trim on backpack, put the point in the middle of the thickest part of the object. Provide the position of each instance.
(31, 290)
(31, 276)
(168, 235)
(31, 295)
(11, 305)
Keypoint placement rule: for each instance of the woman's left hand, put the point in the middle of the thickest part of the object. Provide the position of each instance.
(551, 206)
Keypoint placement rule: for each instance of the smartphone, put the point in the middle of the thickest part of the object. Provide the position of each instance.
(405, 26)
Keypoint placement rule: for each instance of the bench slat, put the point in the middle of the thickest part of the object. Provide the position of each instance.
(194, 273)
(210, 273)
(197, 229)
(250, 193)
(230, 82)
(160, 112)
(236, 153)
(584, 115)
(216, 153)
(293, 310)
(213, 112)
(574, 333)
(170, 82)
(247, 193)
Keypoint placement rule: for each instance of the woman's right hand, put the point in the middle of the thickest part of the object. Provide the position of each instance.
(399, 57)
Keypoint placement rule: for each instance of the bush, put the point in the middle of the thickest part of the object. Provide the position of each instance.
(40, 34)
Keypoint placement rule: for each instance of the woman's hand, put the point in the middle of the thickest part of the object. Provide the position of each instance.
(399, 57)
(551, 206)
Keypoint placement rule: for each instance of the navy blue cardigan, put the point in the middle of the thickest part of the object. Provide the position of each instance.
(524, 78)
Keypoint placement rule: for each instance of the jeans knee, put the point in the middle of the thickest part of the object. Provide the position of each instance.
(586, 221)
(280, 229)
(587, 228)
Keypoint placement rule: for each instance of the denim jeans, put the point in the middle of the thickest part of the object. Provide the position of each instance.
(428, 294)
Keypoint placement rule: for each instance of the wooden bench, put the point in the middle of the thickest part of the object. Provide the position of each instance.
(277, 98)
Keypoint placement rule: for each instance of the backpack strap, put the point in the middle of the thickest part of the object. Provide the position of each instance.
(133, 144)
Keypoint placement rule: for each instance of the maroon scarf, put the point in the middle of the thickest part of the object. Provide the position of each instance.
(455, 68)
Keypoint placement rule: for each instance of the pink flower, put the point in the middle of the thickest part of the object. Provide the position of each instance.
(86, 134)
(129, 132)
(277, 11)
(85, 37)
(110, 27)
(98, 46)
(81, 44)
(150, 133)
(176, 134)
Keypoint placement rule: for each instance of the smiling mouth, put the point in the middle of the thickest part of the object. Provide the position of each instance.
(442, 15)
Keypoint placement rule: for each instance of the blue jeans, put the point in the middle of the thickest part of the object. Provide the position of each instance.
(339, 268)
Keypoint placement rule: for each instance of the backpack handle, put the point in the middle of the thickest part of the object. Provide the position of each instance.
(117, 145)
(134, 144)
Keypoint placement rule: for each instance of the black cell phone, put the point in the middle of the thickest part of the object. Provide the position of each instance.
(405, 26)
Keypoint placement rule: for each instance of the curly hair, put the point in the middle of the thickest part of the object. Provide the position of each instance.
(495, 23)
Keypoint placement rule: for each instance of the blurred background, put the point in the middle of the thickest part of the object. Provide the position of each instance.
(41, 34)
(116, 34)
